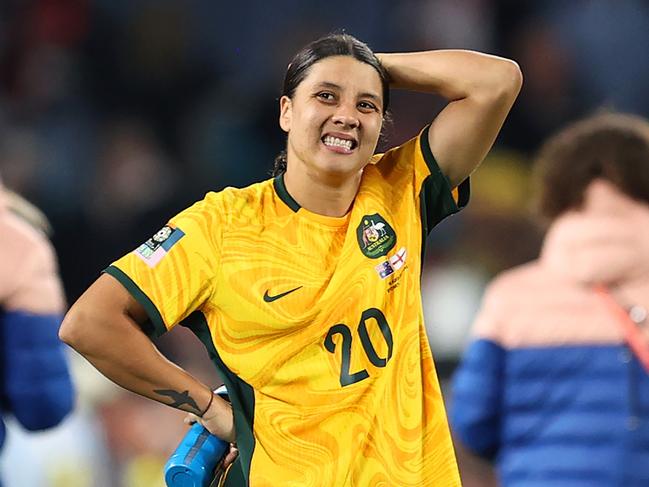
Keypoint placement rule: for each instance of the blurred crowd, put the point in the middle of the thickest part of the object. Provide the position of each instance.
(115, 115)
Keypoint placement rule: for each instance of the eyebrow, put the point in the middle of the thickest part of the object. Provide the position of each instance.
(334, 86)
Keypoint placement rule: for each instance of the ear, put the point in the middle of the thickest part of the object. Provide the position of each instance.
(285, 113)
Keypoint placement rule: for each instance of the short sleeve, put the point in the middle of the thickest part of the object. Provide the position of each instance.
(412, 169)
(172, 274)
(438, 199)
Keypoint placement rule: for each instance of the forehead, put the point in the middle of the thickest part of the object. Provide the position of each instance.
(346, 72)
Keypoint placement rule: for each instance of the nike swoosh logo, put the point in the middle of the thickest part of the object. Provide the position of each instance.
(269, 299)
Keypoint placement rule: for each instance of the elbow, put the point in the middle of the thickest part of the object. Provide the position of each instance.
(75, 329)
(68, 331)
(513, 77)
(500, 83)
(508, 80)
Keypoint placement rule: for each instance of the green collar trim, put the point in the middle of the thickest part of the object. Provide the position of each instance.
(282, 192)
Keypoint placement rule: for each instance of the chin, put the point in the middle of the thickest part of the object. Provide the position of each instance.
(341, 165)
(339, 168)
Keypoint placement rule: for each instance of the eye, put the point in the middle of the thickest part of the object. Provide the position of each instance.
(325, 96)
(367, 106)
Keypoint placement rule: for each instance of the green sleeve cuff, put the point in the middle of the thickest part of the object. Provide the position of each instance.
(464, 189)
(436, 195)
(155, 327)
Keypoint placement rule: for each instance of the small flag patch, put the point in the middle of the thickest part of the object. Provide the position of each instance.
(384, 269)
(154, 249)
(399, 259)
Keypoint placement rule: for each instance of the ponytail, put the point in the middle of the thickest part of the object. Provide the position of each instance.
(280, 164)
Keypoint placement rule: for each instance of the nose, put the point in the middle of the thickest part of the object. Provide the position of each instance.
(345, 117)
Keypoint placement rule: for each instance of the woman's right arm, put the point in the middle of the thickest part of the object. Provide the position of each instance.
(103, 326)
(481, 90)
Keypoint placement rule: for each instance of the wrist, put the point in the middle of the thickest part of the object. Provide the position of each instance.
(209, 405)
(218, 419)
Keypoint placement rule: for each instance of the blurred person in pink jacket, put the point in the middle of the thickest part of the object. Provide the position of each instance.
(553, 388)
(35, 384)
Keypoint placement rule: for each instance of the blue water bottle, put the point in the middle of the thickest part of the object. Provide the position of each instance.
(194, 462)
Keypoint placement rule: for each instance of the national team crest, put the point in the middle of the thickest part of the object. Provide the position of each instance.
(375, 236)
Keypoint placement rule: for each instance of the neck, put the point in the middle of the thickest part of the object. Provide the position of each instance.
(328, 196)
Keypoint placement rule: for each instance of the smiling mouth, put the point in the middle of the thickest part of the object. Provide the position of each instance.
(339, 145)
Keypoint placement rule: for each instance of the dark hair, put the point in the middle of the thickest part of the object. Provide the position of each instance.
(330, 45)
(610, 146)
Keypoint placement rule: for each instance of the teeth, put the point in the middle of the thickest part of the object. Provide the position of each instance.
(335, 141)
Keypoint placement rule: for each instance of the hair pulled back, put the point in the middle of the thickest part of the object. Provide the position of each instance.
(330, 45)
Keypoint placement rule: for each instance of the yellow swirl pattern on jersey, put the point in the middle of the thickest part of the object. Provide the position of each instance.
(343, 390)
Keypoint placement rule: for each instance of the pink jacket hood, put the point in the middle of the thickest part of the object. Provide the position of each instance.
(550, 301)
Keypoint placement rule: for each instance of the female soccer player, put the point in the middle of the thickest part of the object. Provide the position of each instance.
(305, 288)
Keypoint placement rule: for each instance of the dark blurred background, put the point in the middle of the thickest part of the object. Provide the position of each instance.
(117, 114)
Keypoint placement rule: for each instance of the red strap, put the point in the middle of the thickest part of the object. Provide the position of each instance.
(630, 329)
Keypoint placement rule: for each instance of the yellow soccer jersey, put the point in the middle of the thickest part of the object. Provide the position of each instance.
(315, 324)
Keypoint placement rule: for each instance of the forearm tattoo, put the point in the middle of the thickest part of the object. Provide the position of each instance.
(180, 399)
